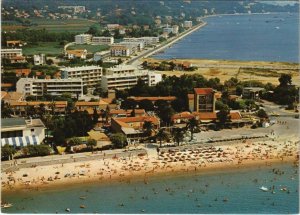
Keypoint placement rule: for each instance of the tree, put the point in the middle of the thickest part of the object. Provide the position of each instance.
(74, 141)
(161, 135)
(285, 80)
(148, 127)
(95, 116)
(192, 124)
(6, 111)
(118, 140)
(223, 115)
(178, 135)
(39, 150)
(91, 143)
(146, 104)
(59, 137)
(7, 151)
(261, 113)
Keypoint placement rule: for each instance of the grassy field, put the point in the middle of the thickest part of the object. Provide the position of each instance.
(78, 25)
(90, 48)
(49, 48)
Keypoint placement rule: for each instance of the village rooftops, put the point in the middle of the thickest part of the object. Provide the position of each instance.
(203, 91)
(152, 98)
(152, 119)
(77, 53)
(37, 103)
(97, 103)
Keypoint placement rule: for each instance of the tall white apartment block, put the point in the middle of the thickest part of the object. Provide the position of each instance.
(10, 53)
(147, 40)
(126, 76)
(103, 40)
(40, 87)
(136, 45)
(120, 50)
(83, 38)
(39, 59)
(187, 24)
(175, 29)
(90, 75)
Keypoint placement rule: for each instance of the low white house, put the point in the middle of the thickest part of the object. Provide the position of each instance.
(19, 132)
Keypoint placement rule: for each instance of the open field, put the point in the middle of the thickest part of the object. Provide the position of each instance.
(78, 25)
(89, 48)
(49, 48)
(243, 70)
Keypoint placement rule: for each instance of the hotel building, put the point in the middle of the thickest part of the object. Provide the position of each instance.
(188, 24)
(39, 87)
(126, 76)
(120, 51)
(90, 75)
(103, 40)
(204, 100)
(147, 40)
(83, 38)
(11, 53)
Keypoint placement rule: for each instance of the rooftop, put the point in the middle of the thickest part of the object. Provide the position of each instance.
(203, 91)
(150, 98)
(12, 122)
(80, 68)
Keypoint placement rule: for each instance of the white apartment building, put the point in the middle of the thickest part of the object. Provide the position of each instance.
(90, 75)
(167, 30)
(101, 55)
(120, 51)
(39, 59)
(147, 40)
(126, 76)
(11, 53)
(83, 38)
(103, 40)
(55, 87)
(188, 24)
(137, 46)
(175, 29)
(76, 9)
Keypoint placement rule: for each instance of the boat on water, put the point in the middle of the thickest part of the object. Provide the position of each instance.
(265, 189)
(6, 205)
(277, 27)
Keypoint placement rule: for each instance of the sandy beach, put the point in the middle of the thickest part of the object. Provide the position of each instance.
(168, 161)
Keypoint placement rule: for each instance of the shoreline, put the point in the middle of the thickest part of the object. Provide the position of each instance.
(130, 169)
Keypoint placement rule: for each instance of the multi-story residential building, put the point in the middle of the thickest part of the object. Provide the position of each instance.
(204, 100)
(14, 43)
(80, 53)
(39, 87)
(135, 46)
(127, 76)
(101, 55)
(167, 30)
(39, 59)
(19, 132)
(175, 29)
(83, 38)
(90, 75)
(11, 53)
(75, 9)
(120, 51)
(103, 40)
(188, 24)
(147, 40)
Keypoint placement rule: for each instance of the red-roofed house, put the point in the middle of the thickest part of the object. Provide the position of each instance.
(132, 127)
(22, 72)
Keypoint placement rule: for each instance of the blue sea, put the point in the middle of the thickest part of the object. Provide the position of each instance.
(230, 191)
(261, 37)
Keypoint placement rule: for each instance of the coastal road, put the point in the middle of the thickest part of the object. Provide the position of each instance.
(134, 61)
(237, 66)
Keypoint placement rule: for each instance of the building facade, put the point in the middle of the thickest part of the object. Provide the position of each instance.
(103, 40)
(120, 51)
(188, 24)
(39, 59)
(55, 87)
(11, 53)
(83, 38)
(90, 75)
(148, 41)
(204, 100)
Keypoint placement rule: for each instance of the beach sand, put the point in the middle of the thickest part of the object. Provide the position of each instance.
(168, 161)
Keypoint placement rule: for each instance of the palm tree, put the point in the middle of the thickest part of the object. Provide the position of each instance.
(161, 135)
(192, 124)
(148, 126)
(178, 135)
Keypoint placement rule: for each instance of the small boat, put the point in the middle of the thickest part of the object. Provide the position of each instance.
(68, 209)
(6, 205)
(82, 206)
(82, 197)
(264, 189)
(277, 27)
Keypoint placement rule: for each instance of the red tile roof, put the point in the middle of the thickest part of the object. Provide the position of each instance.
(203, 91)
(23, 71)
(152, 119)
(206, 115)
(191, 96)
(165, 98)
(235, 116)
(182, 115)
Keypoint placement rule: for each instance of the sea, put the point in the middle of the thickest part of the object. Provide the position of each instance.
(235, 191)
(258, 37)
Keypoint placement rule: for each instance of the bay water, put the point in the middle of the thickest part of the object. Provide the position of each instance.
(259, 37)
(226, 191)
